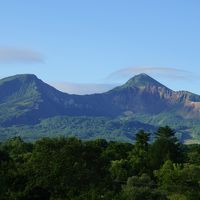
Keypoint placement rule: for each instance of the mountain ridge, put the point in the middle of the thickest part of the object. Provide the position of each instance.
(140, 94)
(26, 100)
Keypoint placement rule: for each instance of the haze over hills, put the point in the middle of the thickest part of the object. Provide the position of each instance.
(26, 101)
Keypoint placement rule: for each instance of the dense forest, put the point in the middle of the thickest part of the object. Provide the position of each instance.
(68, 168)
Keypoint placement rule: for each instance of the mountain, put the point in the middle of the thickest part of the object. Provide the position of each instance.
(26, 100)
(142, 94)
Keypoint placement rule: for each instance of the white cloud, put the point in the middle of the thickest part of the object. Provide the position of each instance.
(10, 55)
(121, 76)
(84, 88)
(172, 73)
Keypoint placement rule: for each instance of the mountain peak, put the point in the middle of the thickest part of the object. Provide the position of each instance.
(142, 80)
(20, 77)
(24, 76)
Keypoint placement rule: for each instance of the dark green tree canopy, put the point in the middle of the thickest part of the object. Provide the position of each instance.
(165, 147)
(69, 168)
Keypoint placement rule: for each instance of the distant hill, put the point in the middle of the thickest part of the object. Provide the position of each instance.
(26, 101)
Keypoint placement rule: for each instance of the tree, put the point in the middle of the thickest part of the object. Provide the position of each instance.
(139, 157)
(141, 188)
(56, 166)
(16, 148)
(179, 181)
(165, 147)
(117, 150)
(6, 174)
(193, 154)
(119, 170)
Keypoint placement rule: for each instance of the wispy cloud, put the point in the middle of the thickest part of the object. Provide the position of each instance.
(12, 55)
(121, 76)
(82, 88)
(172, 73)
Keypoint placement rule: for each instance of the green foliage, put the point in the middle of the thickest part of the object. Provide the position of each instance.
(193, 154)
(142, 187)
(139, 157)
(16, 147)
(82, 127)
(68, 168)
(179, 180)
(165, 147)
(119, 170)
(118, 129)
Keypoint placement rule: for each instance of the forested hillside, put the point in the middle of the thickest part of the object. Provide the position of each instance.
(31, 109)
(68, 168)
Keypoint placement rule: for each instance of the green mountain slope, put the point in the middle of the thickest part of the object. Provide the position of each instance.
(26, 103)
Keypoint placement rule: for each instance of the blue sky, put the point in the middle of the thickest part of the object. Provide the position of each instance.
(90, 46)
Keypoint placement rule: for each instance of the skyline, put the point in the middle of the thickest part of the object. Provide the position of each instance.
(102, 44)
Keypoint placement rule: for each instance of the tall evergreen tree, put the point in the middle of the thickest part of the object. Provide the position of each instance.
(165, 147)
(139, 157)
